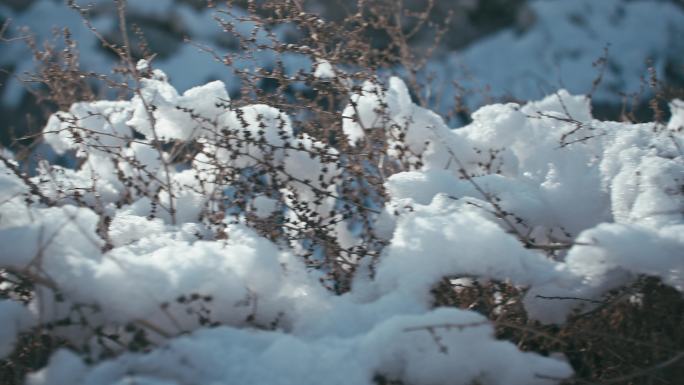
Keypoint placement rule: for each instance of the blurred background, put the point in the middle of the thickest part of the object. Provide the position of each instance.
(622, 52)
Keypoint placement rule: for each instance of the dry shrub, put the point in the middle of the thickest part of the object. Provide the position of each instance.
(633, 336)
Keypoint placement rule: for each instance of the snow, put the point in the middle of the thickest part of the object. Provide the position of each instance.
(62, 235)
(43, 17)
(565, 175)
(559, 48)
(324, 70)
(263, 357)
(171, 121)
(142, 65)
(220, 302)
(64, 368)
(460, 241)
(14, 318)
(264, 206)
(677, 120)
(614, 193)
(608, 251)
(127, 228)
(164, 275)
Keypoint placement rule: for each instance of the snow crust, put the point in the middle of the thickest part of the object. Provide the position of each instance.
(613, 191)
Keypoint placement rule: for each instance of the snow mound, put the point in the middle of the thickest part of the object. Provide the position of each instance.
(540, 195)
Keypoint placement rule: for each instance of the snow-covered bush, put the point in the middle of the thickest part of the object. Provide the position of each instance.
(201, 238)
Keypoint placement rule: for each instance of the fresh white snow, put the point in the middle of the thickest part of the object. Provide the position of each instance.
(616, 193)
